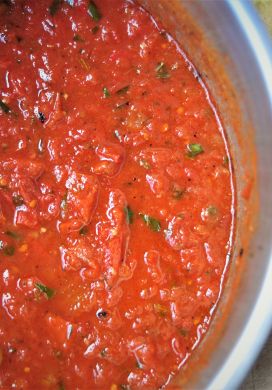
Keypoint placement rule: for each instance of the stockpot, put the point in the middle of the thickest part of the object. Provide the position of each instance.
(232, 52)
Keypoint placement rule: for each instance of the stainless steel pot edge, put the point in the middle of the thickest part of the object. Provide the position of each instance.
(259, 324)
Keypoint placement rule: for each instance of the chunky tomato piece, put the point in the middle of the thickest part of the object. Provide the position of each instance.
(111, 159)
(79, 201)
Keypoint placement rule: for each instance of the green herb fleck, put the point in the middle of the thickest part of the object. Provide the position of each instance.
(122, 90)
(183, 332)
(94, 12)
(54, 7)
(106, 92)
(83, 231)
(212, 211)
(9, 250)
(129, 215)
(144, 164)
(4, 107)
(121, 105)
(151, 222)
(17, 200)
(49, 292)
(77, 38)
(194, 150)
(95, 29)
(61, 386)
(177, 193)
(124, 387)
(161, 71)
(14, 235)
(58, 354)
(103, 352)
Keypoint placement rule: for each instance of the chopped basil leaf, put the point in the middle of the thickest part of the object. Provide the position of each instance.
(194, 150)
(151, 222)
(212, 211)
(103, 352)
(49, 292)
(77, 38)
(95, 29)
(94, 12)
(54, 7)
(58, 354)
(17, 200)
(183, 332)
(12, 234)
(61, 386)
(177, 193)
(122, 90)
(4, 107)
(121, 105)
(83, 231)
(129, 215)
(161, 71)
(106, 92)
(144, 164)
(9, 250)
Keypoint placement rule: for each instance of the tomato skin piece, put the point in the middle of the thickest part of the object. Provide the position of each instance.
(49, 207)
(76, 255)
(152, 260)
(59, 330)
(80, 201)
(6, 206)
(111, 158)
(25, 216)
(116, 236)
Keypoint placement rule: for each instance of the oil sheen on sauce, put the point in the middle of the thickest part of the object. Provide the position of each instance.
(115, 198)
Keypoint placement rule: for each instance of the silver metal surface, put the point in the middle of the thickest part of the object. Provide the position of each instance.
(236, 31)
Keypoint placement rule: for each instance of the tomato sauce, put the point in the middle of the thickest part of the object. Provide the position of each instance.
(115, 198)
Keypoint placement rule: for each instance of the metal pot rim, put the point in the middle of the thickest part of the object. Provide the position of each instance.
(259, 324)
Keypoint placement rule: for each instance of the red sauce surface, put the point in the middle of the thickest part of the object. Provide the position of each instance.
(115, 199)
